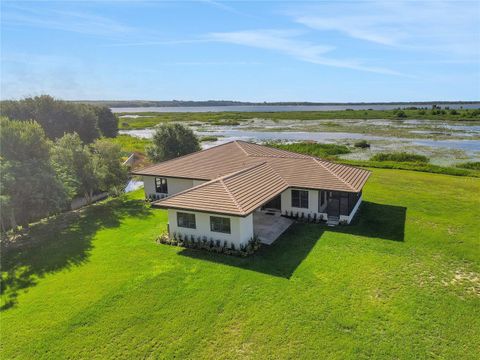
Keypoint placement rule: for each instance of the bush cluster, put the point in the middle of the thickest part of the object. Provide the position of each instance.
(313, 148)
(473, 165)
(203, 243)
(302, 217)
(400, 157)
(363, 144)
(154, 197)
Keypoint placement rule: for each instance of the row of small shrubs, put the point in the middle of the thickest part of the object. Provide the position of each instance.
(154, 197)
(400, 157)
(203, 243)
(302, 217)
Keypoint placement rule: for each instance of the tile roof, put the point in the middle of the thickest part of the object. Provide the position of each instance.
(243, 176)
(239, 193)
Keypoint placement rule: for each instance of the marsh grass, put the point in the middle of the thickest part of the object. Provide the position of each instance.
(389, 160)
(130, 144)
(474, 165)
(400, 157)
(312, 148)
(150, 119)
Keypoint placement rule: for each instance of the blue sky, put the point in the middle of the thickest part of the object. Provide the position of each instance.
(249, 51)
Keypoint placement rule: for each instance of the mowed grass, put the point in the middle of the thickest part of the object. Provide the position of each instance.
(403, 282)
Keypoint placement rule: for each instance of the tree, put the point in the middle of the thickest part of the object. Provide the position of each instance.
(171, 141)
(110, 172)
(73, 162)
(55, 116)
(107, 122)
(30, 188)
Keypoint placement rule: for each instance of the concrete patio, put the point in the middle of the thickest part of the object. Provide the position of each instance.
(269, 227)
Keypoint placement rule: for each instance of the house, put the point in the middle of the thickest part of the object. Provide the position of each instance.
(232, 191)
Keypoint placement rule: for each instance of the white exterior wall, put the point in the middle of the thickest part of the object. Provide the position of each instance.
(198, 182)
(241, 227)
(174, 185)
(312, 203)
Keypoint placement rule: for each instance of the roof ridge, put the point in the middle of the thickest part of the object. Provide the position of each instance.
(183, 156)
(231, 196)
(282, 153)
(331, 172)
(249, 167)
(241, 148)
(219, 179)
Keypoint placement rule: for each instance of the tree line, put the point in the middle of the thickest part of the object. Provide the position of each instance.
(58, 117)
(52, 152)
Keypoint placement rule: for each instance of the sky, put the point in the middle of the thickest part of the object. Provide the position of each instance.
(322, 51)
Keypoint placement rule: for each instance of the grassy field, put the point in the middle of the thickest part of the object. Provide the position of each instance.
(130, 144)
(403, 282)
(150, 119)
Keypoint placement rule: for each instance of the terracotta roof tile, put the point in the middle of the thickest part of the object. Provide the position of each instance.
(239, 193)
(245, 175)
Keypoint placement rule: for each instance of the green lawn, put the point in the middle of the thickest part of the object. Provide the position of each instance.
(403, 282)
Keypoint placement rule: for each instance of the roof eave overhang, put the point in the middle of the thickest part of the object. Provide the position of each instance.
(170, 176)
(168, 207)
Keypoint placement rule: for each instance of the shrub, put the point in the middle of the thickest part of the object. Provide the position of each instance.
(362, 144)
(312, 148)
(473, 165)
(163, 238)
(208, 138)
(400, 157)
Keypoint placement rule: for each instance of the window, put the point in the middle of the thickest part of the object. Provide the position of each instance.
(300, 199)
(220, 224)
(186, 220)
(161, 185)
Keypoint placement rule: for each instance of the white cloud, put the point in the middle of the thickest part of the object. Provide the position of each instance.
(287, 42)
(450, 27)
(77, 22)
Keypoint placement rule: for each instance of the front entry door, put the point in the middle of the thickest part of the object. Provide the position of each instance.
(275, 203)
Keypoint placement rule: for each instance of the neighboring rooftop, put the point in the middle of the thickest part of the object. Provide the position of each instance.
(242, 176)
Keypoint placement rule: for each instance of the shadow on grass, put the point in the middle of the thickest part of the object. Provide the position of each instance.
(59, 243)
(282, 258)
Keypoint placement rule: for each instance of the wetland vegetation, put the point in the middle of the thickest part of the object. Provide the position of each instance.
(144, 120)
(443, 137)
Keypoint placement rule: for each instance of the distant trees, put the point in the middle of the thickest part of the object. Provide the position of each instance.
(172, 140)
(58, 117)
(106, 121)
(30, 188)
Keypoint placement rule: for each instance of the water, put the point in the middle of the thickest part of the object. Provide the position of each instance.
(227, 134)
(442, 141)
(280, 108)
(133, 185)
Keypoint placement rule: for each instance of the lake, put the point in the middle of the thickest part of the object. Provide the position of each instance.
(281, 108)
